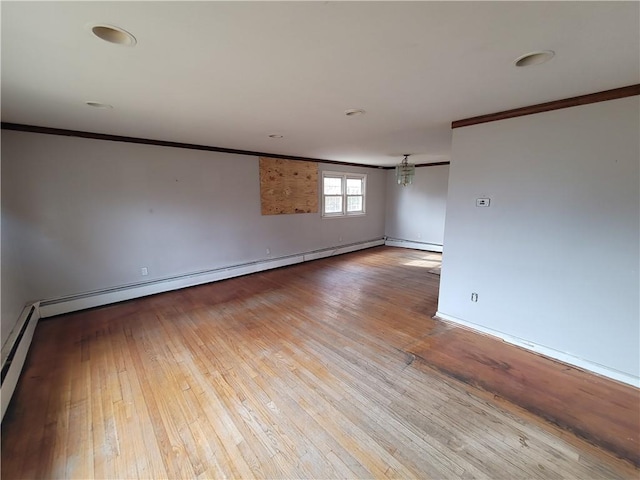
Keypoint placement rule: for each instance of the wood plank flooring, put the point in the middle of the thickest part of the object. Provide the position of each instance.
(602, 411)
(310, 371)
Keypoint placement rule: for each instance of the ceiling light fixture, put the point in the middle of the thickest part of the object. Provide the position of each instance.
(112, 34)
(534, 58)
(354, 112)
(405, 172)
(98, 105)
(275, 135)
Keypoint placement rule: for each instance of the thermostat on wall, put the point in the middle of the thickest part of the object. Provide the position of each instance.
(483, 202)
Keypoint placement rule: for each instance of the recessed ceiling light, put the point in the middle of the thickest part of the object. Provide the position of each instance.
(353, 112)
(98, 105)
(534, 58)
(275, 135)
(112, 34)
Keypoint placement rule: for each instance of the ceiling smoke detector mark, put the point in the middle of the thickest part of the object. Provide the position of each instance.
(275, 135)
(534, 58)
(354, 112)
(112, 34)
(104, 106)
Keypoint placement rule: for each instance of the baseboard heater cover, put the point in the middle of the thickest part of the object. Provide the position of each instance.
(14, 353)
(557, 355)
(426, 246)
(72, 303)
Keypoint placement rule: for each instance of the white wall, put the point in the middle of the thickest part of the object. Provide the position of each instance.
(555, 257)
(98, 211)
(15, 291)
(415, 213)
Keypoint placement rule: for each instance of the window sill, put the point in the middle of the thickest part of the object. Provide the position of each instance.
(351, 215)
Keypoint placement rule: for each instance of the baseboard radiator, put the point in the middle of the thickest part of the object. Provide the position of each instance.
(14, 352)
(400, 242)
(82, 301)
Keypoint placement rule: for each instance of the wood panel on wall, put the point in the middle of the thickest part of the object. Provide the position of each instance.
(288, 186)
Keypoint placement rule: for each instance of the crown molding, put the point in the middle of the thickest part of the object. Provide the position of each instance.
(614, 94)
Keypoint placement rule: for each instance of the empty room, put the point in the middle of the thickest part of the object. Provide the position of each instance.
(320, 240)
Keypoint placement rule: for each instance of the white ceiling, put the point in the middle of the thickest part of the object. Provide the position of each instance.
(228, 74)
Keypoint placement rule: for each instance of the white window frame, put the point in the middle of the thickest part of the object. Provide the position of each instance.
(344, 176)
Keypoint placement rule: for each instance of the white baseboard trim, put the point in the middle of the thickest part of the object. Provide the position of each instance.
(548, 352)
(49, 308)
(397, 242)
(15, 352)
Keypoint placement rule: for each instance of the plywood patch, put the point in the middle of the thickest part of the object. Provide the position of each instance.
(288, 186)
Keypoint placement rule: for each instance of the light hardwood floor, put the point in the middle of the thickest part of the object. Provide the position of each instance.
(301, 372)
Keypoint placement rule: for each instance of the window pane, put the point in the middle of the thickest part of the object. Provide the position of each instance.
(354, 186)
(354, 204)
(332, 186)
(333, 204)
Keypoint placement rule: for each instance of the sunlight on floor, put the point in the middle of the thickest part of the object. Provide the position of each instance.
(431, 260)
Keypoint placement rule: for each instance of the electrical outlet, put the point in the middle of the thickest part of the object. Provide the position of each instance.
(483, 202)
(268, 251)
(144, 272)
(340, 239)
(474, 297)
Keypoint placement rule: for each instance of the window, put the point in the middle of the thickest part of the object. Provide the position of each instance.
(343, 194)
